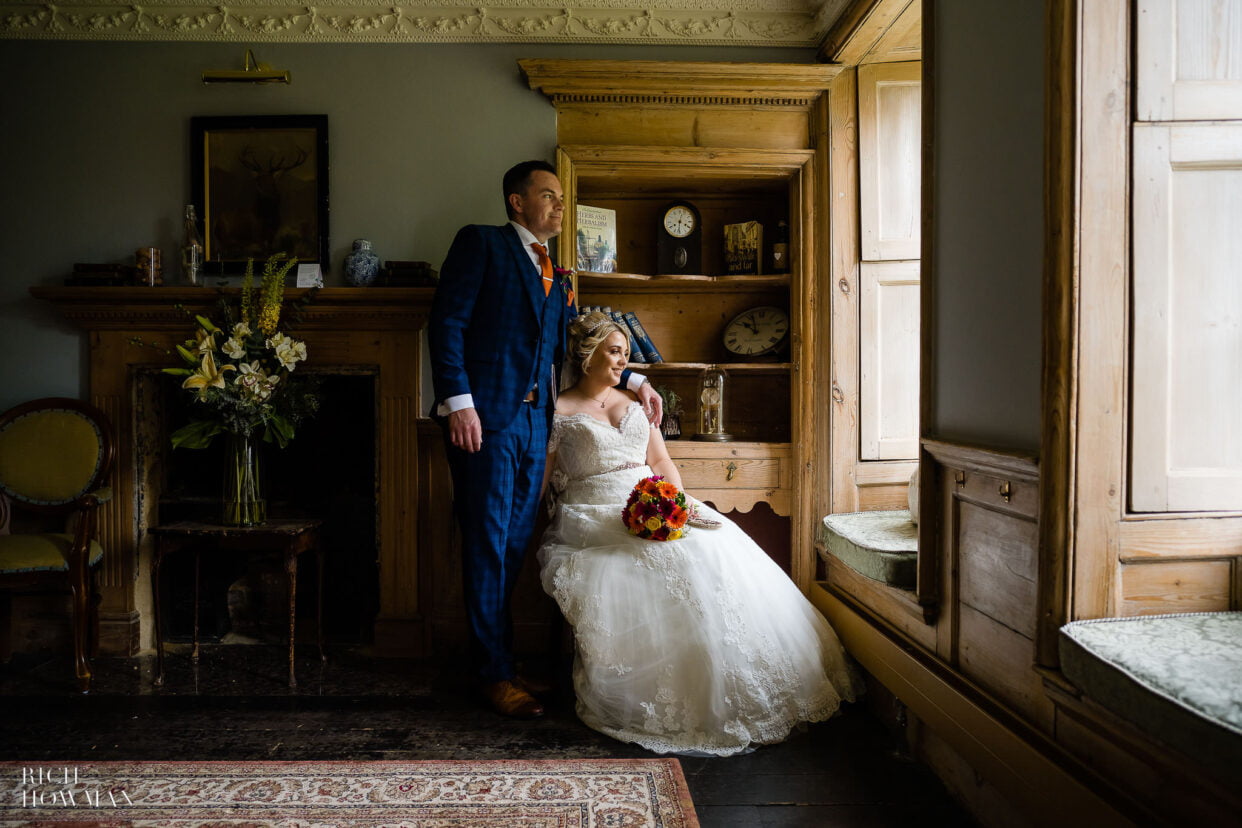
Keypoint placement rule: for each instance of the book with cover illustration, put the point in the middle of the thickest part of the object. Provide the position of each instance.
(597, 239)
(644, 341)
(743, 248)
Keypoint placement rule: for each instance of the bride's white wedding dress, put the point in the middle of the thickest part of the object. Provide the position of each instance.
(699, 645)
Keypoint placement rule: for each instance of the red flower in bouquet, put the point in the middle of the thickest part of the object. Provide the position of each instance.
(656, 510)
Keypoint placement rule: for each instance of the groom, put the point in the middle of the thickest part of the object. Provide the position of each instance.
(497, 336)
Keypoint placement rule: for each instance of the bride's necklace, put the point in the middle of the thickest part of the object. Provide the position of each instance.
(604, 401)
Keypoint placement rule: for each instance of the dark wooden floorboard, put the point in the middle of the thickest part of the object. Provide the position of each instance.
(235, 705)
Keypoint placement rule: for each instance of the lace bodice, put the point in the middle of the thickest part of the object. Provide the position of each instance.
(595, 462)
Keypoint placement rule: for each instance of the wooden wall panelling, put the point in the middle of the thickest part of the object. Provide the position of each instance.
(821, 446)
(1058, 394)
(1176, 586)
(1167, 785)
(928, 587)
(996, 564)
(1099, 318)
(1190, 52)
(806, 310)
(1003, 660)
(889, 103)
(844, 288)
(896, 606)
(1180, 538)
(683, 126)
(889, 360)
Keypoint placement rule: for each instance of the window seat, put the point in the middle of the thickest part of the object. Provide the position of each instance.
(881, 545)
(1177, 677)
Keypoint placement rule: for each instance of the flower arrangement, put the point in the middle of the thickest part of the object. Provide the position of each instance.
(564, 278)
(239, 372)
(656, 510)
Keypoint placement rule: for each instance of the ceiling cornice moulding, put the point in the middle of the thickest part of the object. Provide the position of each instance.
(784, 23)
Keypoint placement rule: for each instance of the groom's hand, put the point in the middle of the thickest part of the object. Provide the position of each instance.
(653, 403)
(465, 429)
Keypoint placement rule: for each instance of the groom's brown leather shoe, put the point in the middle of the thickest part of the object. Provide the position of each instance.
(532, 685)
(508, 699)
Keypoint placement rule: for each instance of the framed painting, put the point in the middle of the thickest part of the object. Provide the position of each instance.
(261, 186)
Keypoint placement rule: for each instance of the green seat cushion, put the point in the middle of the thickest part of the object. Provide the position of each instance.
(39, 553)
(1178, 677)
(883, 546)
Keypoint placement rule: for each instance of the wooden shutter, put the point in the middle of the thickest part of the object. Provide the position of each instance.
(1191, 60)
(889, 102)
(889, 361)
(1186, 440)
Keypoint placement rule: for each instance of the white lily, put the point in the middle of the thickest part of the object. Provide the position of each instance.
(276, 340)
(241, 330)
(234, 348)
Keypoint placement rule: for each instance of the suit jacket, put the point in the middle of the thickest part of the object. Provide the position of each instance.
(493, 333)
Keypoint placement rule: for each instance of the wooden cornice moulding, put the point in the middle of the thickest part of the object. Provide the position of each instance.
(1018, 465)
(145, 308)
(787, 23)
(667, 82)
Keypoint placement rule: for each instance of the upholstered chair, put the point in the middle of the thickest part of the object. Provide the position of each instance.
(55, 455)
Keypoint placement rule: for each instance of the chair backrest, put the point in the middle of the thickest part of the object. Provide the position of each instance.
(53, 451)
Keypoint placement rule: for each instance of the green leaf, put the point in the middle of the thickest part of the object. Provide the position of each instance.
(196, 435)
(177, 372)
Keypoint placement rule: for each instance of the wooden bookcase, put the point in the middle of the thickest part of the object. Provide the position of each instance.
(736, 141)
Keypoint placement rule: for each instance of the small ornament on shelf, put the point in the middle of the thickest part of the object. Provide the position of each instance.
(712, 405)
(191, 251)
(362, 265)
(670, 426)
(780, 248)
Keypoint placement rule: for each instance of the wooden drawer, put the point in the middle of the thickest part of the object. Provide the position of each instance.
(736, 475)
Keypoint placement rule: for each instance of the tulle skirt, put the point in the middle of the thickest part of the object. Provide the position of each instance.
(701, 645)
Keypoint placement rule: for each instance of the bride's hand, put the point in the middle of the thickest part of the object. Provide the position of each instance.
(653, 403)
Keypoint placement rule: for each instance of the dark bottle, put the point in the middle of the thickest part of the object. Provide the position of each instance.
(780, 248)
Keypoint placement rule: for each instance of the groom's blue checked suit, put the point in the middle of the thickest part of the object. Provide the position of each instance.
(496, 336)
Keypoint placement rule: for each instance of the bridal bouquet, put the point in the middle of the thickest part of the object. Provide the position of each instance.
(656, 510)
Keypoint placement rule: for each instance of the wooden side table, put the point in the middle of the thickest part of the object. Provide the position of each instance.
(290, 537)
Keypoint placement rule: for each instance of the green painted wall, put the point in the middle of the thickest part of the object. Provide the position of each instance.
(94, 158)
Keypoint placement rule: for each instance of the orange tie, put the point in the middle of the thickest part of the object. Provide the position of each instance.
(545, 266)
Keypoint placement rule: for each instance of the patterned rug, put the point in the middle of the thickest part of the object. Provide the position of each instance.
(587, 793)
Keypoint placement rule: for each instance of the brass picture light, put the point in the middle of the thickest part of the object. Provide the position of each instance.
(254, 72)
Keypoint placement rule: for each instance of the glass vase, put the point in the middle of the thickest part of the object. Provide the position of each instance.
(243, 491)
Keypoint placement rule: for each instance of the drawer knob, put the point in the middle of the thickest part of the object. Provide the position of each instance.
(1005, 491)
(732, 469)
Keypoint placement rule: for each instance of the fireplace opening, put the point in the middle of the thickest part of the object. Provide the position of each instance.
(328, 471)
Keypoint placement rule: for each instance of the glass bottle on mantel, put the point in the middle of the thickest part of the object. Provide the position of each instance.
(191, 250)
(780, 248)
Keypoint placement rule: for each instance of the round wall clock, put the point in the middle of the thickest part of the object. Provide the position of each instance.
(679, 239)
(757, 332)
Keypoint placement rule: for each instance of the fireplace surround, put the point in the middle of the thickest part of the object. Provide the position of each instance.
(377, 331)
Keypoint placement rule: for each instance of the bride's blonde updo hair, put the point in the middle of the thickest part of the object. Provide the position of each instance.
(586, 333)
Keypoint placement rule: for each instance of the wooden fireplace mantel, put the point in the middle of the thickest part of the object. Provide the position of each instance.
(377, 330)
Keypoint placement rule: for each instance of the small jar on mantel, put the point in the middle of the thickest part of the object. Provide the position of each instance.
(361, 266)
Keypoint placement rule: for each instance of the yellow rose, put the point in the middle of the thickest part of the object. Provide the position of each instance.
(654, 523)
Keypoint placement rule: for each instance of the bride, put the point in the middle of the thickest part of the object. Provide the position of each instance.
(700, 645)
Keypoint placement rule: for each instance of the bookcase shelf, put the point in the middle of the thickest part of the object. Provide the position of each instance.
(661, 368)
(640, 283)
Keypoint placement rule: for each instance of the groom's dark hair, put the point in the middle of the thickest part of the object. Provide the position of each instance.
(517, 179)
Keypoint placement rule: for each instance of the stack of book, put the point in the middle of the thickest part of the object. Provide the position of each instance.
(408, 274)
(86, 273)
(642, 349)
